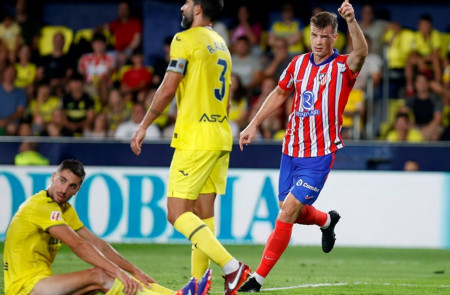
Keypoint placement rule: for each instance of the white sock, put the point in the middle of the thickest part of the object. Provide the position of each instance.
(327, 223)
(258, 278)
(231, 266)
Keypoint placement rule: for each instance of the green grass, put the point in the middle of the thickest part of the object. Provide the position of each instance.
(305, 269)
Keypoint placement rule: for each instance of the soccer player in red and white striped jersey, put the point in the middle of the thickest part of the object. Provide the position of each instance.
(321, 81)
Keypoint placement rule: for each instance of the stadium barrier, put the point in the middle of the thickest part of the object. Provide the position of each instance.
(128, 204)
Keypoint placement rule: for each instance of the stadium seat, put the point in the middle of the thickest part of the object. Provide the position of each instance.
(46, 38)
(445, 45)
(88, 33)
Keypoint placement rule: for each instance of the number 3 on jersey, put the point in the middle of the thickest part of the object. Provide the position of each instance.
(220, 93)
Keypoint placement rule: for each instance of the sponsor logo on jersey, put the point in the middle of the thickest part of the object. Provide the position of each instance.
(212, 118)
(308, 100)
(309, 197)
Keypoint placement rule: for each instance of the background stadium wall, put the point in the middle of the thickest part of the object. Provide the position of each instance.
(127, 204)
(363, 155)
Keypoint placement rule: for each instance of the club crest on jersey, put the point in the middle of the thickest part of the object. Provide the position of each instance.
(55, 216)
(324, 78)
(308, 100)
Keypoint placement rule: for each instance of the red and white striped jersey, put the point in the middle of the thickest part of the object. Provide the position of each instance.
(321, 93)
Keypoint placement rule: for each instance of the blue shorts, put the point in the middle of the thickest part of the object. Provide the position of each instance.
(303, 177)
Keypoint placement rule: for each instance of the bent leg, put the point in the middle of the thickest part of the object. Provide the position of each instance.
(193, 228)
(80, 282)
(311, 216)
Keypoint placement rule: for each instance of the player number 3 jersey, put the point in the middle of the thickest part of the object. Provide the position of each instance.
(321, 93)
(201, 55)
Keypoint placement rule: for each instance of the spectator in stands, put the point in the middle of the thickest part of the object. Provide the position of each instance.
(426, 107)
(288, 28)
(29, 155)
(97, 68)
(374, 28)
(137, 78)
(56, 126)
(238, 113)
(161, 62)
(100, 128)
(411, 165)
(398, 41)
(56, 67)
(355, 107)
(117, 110)
(127, 31)
(29, 26)
(126, 129)
(26, 70)
(245, 25)
(11, 35)
(278, 59)
(42, 107)
(12, 103)
(425, 54)
(403, 130)
(78, 107)
(246, 64)
(221, 28)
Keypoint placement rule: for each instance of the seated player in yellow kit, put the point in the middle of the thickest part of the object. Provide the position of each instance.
(44, 222)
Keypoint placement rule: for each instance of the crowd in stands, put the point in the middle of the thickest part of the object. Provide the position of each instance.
(94, 83)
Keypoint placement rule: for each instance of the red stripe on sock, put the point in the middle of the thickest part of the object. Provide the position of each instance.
(311, 215)
(276, 244)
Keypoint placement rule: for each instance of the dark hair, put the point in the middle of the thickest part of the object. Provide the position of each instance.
(211, 8)
(99, 37)
(75, 166)
(324, 19)
(402, 115)
(426, 17)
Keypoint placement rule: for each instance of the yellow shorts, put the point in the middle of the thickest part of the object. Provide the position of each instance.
(197, 172)
(26, 285)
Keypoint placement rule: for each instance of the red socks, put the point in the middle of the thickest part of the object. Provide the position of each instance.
(311, 215)
(276, 244)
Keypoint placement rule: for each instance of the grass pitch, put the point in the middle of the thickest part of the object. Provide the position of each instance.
(301, 270)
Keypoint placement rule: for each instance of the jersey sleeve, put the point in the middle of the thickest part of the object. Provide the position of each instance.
(351, 75)
(71, 217)
(180, 52)
(47, 214)
(286, 81)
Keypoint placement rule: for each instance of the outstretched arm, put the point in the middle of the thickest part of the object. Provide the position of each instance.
(360, 50)
(275, 99)
(89, 253)
(111, 253)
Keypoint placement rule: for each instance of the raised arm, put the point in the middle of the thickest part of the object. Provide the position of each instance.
(275, 99)
(360, 50)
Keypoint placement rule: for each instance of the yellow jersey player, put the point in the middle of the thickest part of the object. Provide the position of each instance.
(43, 223)
(198, 76)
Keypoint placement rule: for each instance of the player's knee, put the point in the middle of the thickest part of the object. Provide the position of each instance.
(102, 279)
(171, 217)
